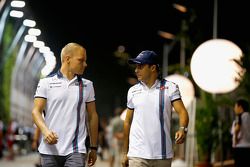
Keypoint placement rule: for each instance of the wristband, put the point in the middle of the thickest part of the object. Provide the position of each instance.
(93, 148)
(185, 129)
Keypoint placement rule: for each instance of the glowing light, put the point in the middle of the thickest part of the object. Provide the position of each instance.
(30, 38)
(15, 13)
(38, 44)
(17, 4)
(29, 23)
(213, 66)
(179, 7)
(50, 63)
(185, 86)
(34, 31)
(166, 35)
(44, 49)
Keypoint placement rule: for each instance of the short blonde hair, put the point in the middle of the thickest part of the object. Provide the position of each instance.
(69, 49)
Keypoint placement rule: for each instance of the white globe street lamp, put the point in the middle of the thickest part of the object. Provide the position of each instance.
(185, 86)
(213, 66)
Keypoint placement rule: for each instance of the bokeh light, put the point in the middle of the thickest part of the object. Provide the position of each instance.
(213, 66)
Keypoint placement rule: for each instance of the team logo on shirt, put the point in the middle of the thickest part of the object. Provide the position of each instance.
(138, 91)
(77, 84)
(55, 84)
(162, 87)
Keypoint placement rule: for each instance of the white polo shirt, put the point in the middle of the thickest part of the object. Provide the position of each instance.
(62, 114)
(149, 136)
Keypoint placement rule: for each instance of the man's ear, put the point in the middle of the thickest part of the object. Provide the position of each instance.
(67, 58)
(153, 67)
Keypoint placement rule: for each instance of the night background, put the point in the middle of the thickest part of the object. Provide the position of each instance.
(102, 26)
(112, 32)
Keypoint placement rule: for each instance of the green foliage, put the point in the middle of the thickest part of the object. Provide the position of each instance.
(7, 37)
(5, 71)
(206, 125)
(244, 87)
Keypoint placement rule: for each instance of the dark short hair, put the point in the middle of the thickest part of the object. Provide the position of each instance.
(243, 103)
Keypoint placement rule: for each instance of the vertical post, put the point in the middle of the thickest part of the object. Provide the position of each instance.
(165, 60)
(215, 27)
(166, 50)
(215, 19)
(183, 45)
(190, 150)
(182, 53)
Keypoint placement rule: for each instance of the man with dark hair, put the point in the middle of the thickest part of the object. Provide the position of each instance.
(241, 133)
(147, 138)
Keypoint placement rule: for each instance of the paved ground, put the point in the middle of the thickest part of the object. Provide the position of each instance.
(30, 159)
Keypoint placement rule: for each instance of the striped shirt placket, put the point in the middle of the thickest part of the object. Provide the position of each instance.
(75, 140)
(161, 117)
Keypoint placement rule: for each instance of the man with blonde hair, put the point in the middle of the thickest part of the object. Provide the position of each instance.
(67, 99)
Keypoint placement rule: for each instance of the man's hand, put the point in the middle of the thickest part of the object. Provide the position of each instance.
(236, 132)
(180, 137)
(92, 157)
(125, 160)
(50, 137)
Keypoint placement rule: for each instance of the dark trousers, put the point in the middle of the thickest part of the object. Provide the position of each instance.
(241, 157)
(71, 160)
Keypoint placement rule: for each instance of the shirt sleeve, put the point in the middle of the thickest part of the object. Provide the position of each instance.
(130, 104)
(174, 92)
(91, 96)
(232, 128)
(41, 90)
(246, 125)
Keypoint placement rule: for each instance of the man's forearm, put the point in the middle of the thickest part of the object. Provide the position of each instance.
(126, 137)
(39, 121)
(183, 119)
(93, 128)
